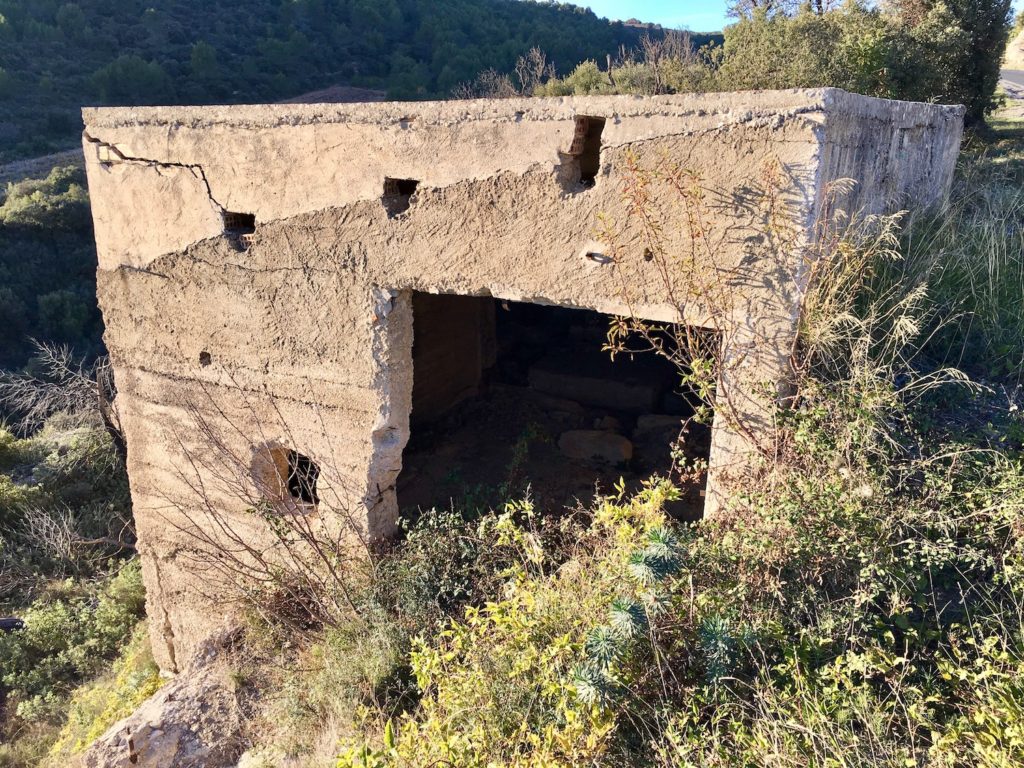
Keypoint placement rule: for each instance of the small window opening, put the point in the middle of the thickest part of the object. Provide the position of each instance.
(586, 148)
(239, 223)
(239, 227)
(205, 358)
(397, 195)
(286, 478)
(302, 476)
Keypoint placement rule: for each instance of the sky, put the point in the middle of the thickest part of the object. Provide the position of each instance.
(695, 15)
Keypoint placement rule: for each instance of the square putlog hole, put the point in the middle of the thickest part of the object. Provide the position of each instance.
(397, 195)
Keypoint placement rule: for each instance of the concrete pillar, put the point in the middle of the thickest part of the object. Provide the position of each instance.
(756, 372)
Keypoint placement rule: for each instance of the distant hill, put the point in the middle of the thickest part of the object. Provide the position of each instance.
(56, 55)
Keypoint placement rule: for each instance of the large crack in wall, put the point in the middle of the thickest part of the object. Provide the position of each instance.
(112, 151)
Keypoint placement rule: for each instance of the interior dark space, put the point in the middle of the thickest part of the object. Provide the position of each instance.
(506, 391)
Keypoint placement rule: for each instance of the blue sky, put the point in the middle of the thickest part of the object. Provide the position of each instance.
(696, 15)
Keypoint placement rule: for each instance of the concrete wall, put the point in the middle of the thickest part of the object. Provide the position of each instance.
(304, 338)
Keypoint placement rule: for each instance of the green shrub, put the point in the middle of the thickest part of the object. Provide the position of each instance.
(95, 706)
(500, 685)
(585, 80)
(69, 636)
(59, 202)
(15, 451)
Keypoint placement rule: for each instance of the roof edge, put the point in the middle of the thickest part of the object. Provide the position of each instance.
(737, 105)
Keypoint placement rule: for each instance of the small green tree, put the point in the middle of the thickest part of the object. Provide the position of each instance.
(130, 79)
(973, 64)
(204, 62)
(71, 21)
(987, 23)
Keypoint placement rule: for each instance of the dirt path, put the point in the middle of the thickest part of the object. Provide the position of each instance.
(39, 166)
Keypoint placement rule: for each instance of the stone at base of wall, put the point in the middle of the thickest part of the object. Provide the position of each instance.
(193, 721)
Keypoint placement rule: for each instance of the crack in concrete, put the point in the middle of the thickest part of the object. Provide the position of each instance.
(182, 378)
(194, 168)
(167, 629)
(144, 271)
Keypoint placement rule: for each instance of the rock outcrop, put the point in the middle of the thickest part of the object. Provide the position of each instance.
(194, 721)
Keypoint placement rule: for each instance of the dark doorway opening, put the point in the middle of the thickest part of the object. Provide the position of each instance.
(507, 394)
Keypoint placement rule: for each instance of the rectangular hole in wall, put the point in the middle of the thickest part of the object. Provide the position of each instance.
(508, 393)
(239, 223)
(586, 148)
(397, 196)
(239, 228)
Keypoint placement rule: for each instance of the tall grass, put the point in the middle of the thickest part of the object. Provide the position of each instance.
(971, 256)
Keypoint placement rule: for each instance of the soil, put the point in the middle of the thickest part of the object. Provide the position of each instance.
(503, 444)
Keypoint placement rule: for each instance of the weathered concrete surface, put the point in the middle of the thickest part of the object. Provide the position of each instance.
(304, 339)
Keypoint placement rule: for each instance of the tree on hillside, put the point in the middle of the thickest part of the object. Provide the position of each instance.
(746, 8)
(204, 62)
(974, 69)
(948, 51)
(130, 79)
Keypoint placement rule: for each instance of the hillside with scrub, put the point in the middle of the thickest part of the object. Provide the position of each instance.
(860, 603)
(57, 56)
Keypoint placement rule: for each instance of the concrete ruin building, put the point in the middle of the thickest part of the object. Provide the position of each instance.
(293, 292)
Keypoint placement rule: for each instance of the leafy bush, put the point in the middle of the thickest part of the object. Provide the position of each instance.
(15, 451)
(57, 202)
(934, 52)
(69, 635)
(860, 50)
(100, 703)
(447, 560)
